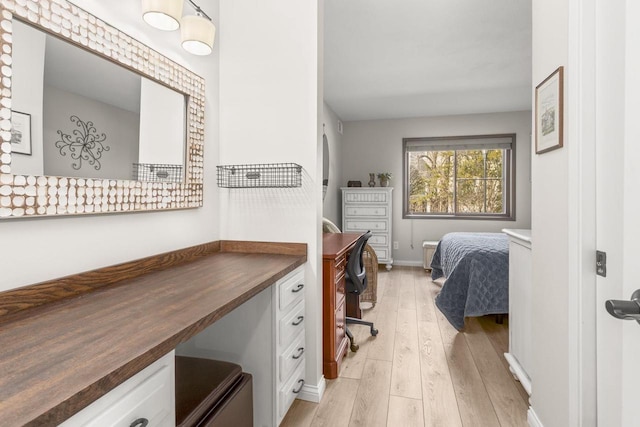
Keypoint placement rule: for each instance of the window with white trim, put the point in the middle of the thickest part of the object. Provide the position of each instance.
(459, 177)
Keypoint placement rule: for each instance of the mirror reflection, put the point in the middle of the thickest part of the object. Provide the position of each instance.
(76, 114)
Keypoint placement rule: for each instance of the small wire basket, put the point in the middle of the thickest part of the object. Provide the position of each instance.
(156, 172)
(268, 175)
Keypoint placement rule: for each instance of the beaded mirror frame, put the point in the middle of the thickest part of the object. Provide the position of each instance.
(29, 196)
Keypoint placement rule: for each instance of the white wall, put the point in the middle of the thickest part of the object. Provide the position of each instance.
(332, 205)
(45, 248)
(376, 146)
(269, 114)
(162, 120)
(550, 238)
(27, 90)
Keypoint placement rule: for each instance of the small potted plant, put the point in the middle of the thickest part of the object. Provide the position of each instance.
(384, 178)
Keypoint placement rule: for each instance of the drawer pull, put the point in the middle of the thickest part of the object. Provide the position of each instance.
(339, 326)
(300, 353)
(300, 319)
(301, 382)
(298, 288)
(140, 422)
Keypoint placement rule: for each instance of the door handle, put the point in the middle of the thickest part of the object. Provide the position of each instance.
(627, 310)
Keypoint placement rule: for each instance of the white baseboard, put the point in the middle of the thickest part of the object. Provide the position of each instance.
(401, 263)
(313, 393)
(533, 419)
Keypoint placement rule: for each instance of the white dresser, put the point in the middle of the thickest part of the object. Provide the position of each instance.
(370, 208)
(520, 351)
(266, 336)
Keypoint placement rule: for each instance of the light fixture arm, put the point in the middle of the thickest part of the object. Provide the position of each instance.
(199, 11)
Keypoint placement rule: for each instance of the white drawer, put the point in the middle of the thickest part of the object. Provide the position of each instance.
(381, 253)
(291, 324)
(379, 239)
(290, 391)
(364, 225)
(366, 197)
(149, 394)
(291, 358)
(373, 211)
(290, 289)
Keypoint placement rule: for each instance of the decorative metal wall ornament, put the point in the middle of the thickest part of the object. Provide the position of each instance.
(84, 144)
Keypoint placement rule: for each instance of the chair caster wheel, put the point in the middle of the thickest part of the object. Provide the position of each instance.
(354, 347)
(374, 332)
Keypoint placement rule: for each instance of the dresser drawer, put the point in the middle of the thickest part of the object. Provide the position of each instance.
(290, 289)
(291, 358)
(149, 394)
(291, 324)
(290, 390)
(381, 253)
(341, 264)
(379, 239)
(360, 211)
(366, 197)
(364, 225)
(340, 325)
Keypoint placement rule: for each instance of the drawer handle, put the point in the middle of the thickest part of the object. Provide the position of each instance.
(298, 288)
(300, 319)
(140, 422)
(301, 382)
(340, 326)
(300, 353)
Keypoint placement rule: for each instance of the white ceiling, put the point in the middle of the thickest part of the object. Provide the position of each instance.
(413, 58)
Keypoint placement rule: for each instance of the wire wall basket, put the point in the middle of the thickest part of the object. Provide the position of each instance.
(269, 175)
(157, 172)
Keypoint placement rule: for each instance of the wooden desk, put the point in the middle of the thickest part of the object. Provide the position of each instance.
(69, 341)
(335, 247)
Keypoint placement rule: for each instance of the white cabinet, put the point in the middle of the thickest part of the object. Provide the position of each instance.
(370, 208)
(148, 395)
(266, 337)
(520, 351)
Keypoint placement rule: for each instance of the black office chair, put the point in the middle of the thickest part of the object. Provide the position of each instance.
(356, 283)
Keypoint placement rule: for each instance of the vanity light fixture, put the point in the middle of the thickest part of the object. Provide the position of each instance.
(162, 14)
(197, 31)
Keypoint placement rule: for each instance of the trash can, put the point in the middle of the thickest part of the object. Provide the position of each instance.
(212, 393)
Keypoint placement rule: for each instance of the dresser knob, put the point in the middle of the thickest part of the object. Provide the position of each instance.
(300, 319)
(300, 353)
(298, 288)
(140, 422)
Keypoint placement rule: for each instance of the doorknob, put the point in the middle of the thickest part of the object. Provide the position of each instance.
(627, 310)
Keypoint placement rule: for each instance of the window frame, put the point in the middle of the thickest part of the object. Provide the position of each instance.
(509, 179)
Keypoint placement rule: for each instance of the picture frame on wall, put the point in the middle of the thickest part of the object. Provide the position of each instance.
(549, 112)
(20, 133)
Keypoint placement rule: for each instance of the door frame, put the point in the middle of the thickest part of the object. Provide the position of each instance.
(581, 85)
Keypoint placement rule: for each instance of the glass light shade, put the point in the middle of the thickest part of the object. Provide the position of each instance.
(162, 14)
(198, 34)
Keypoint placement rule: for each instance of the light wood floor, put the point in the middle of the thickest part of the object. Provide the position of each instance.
(419, 371)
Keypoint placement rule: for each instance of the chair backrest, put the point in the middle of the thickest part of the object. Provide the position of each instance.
(355, 277)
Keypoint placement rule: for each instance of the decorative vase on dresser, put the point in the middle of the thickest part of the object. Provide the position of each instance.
(370, 209)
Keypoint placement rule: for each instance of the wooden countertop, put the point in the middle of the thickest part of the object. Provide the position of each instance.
(333, 244)
(59, 357)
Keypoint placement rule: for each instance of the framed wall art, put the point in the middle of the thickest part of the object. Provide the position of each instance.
(548, 112)
(20, 133)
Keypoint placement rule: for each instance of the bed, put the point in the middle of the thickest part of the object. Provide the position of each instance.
(476, 271)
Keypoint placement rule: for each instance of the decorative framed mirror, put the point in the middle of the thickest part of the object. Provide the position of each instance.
(91, 120)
